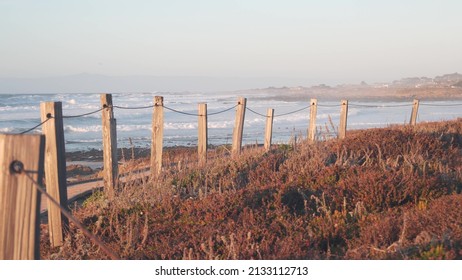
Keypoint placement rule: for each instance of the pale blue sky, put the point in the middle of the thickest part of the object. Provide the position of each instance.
(322, 41)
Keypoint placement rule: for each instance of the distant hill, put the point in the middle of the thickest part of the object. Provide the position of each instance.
(439, 81)
(445, 87)
(459, 84)
(449, 79)
(287, 87)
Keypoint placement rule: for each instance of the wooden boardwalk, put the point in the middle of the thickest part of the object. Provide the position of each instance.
(79, 190)
(75, 192)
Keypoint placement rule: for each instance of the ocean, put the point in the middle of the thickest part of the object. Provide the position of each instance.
(19, 112)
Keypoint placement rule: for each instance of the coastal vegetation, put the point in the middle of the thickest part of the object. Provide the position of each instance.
(388, 193)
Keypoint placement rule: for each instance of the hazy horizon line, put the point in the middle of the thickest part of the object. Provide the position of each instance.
(86, 82)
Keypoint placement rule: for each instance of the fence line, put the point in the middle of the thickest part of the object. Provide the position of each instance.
(19, 201)
(110, 159)
(248, 108)
(53, 161)
(256, 113)
(55, 169)
(239, 126)
(157, 135)
(441, 105)
(83, 115)
(343, 119)
(69, 216)
(202, 133)
(269, 128)
(313, 113)
(30, 129)
(378, 106)
(415, 109)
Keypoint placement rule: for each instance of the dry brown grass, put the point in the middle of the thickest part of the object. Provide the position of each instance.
(391, 193)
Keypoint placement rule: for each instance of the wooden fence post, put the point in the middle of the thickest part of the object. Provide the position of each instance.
(157, 135)
(313, 112)
(239, 125)
(19, 198)
(343, 120)
(415, 109)
(110, 174)
(55, 169)
(269, 128)
(202, 130)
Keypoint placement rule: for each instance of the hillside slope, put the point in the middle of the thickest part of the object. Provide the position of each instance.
(391, 193)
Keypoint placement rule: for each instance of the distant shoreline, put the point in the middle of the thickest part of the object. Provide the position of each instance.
(364, 94)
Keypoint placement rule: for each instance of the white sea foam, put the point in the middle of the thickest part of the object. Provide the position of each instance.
(6, 129)
(132, 127)
(223, 124)
(18, 108)
(185, 126)
(82, 129)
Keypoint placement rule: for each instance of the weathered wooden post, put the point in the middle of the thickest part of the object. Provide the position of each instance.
(239, 125)
(110, 174)
(19, 198)
(343, 120)
(313, 112)
(415, 109)
(202, 136)
(157, 135)
(55, 169)
(269, 128)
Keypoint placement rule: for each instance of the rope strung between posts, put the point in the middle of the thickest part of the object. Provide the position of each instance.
(222, 111)
(30, 129)
(441, 105)
(329, 106)
(358, 105)
(104, 107)
(68, 215)
(181, 112)
(256, 113)
(284, 114)
(133, 108)
(293, 112)
(378, 106)
(198, 115)
(85, 114)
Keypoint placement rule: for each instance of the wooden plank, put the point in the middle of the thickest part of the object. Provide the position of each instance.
(55, 169)
(157, 135)
(202, 139)
(79, 190)
(239, 126)
(269, 128)
(415, 109)
(343, 120)
(19, 199)
(110, 167)
(313, 112)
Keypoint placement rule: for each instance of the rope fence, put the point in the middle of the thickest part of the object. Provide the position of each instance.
(441, 105)
(199, 115)
(355, 105)
(31, 129)
(83, 115)
(279, 115)
(53, 132)
(68, 215)
(378, 106)
(133, 108)
(256, 113)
